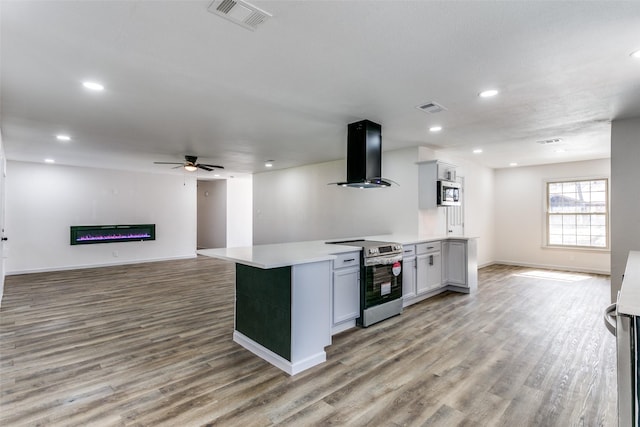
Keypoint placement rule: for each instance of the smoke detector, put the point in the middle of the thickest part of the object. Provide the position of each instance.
(549, 141)
(431, 108)
(240, 12)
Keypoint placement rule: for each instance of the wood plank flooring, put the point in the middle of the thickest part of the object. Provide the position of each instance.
(150, 345)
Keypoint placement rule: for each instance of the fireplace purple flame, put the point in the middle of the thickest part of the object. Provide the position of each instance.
(86, 234)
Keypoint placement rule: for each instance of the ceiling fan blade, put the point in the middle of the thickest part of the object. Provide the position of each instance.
(178, 167)
(168, 163)
(205, 167)
(211, 166)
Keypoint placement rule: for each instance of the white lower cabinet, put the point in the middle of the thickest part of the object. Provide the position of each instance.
(345, 307)
(408, 278)
(346, 294)
(428, 267)
(428, 272)
(408, 272)
(456, 263)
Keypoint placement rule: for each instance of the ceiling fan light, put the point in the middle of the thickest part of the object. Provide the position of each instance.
(190, 168)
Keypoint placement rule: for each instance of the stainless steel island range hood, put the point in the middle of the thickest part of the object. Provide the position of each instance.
(364, 156)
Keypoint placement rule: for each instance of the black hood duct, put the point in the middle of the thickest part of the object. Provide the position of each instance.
(364, 156)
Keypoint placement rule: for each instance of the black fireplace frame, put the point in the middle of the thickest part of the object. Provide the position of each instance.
(91, 234)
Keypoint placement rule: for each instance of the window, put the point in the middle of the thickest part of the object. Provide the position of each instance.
(577, 213)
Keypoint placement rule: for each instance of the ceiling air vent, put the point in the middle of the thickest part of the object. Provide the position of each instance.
(431, 108)
(240, 12)
(549, 141)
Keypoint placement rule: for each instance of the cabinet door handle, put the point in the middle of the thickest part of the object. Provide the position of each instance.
(430, 247)
(407, 251)
(430, 259)
(349, 260)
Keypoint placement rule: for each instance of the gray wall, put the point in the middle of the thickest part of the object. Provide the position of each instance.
(625, 196)
(297, 204)
(44, 200)
(520, 215)
(212, 214)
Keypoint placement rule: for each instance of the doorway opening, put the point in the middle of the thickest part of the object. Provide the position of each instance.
(212, 214)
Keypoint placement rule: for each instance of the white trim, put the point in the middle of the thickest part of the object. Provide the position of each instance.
(577, 248)
(344, 326)
(109, 264)
(545, 212)
(487, 264)
(550, 267)
(275, 359)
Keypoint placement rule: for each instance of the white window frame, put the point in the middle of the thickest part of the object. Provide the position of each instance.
(546, 213)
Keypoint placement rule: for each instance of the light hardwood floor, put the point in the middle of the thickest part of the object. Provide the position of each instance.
(150, 345)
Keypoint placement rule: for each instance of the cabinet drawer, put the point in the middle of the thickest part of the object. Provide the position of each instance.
(349, 259)
(425, 248)
(408, 250)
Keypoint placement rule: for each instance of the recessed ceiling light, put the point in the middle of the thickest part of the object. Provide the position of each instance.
(216, 175)
(560, 150)
(488, 93)
(93, 86)
(49, 161)
(268, 164)
(636, 54)
(513, 164)
(63, 137)
(435, 128)
(477, 151)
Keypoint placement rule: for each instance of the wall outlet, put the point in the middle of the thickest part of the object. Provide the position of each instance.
(115, 254)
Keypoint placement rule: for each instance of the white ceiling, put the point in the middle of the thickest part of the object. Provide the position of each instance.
(180, 80)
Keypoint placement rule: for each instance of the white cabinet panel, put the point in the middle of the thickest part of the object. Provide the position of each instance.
(346, 294)
(434, 271)
(349, 259)
(408, 278)
(428, 266)
(428, 272)
(456, 263)
(428, 247)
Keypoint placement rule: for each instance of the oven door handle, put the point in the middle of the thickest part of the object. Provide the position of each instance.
(383, 260)
(609, 318)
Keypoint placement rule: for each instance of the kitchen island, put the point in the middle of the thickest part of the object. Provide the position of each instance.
(285, 297)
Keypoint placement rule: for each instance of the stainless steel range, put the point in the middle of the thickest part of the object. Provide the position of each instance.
(380, 280)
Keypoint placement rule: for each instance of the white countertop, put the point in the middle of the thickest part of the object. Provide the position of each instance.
(286, 254)
(629, 297)
(279, 254)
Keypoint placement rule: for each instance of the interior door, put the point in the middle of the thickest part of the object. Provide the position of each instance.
(455, 214)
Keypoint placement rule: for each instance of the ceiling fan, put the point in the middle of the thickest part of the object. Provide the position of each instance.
(190, 164)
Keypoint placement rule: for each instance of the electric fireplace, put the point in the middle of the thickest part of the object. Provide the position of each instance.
(88, 234)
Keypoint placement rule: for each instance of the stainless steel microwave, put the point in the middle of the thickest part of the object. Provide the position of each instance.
(449, 193)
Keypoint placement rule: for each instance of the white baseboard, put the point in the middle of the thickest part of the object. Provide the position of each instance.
(341, 327)
(550, 267)
(106, 264)
(276, 360)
